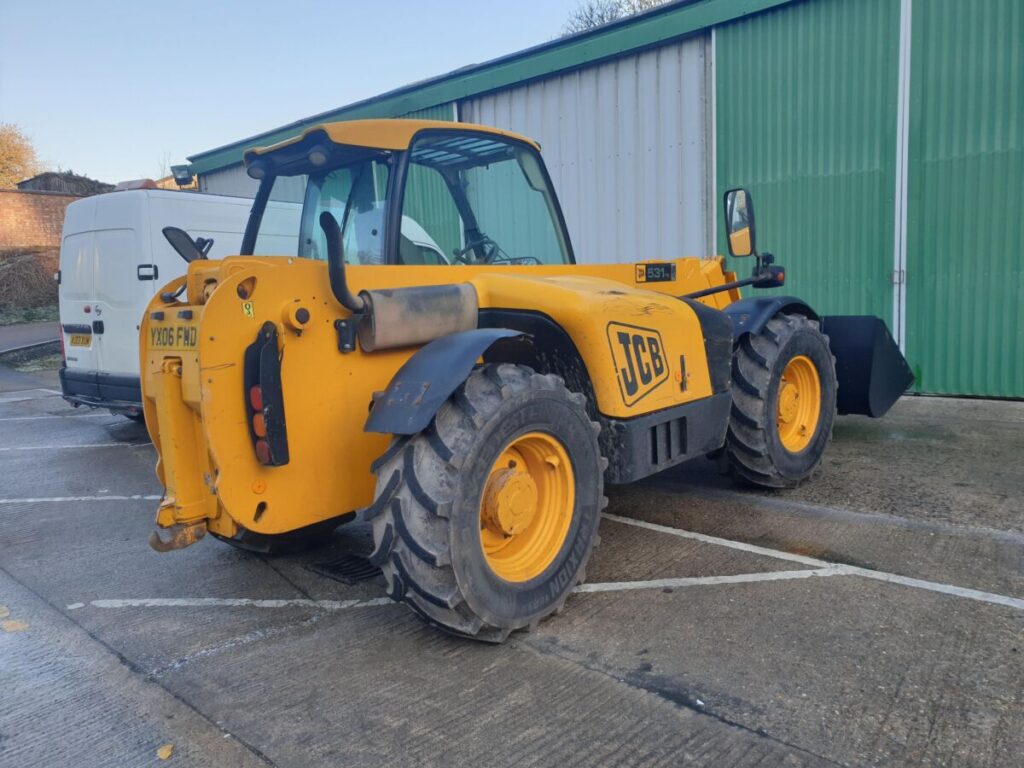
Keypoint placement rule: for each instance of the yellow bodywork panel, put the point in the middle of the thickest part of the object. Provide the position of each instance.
(389, 134)
(630, 333)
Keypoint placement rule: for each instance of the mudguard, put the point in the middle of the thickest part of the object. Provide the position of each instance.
(870, 368)
(750, 315)
(428, 378)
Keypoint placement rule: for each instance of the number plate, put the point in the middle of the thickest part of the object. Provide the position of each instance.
(80, 339)
(179, 338)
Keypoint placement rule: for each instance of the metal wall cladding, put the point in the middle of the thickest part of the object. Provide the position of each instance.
(625, 144)
(806, 102)
(965, 312)
(232, 180)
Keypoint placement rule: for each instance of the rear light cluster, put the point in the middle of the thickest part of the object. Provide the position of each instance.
(264, 399)
(259, 425)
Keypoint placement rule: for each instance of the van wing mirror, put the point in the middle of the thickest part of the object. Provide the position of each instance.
(182, 242)
(739, 222)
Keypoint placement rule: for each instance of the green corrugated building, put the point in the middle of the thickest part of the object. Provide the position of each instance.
(883, 141)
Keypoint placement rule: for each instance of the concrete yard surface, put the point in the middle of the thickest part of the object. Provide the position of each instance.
(872, 617)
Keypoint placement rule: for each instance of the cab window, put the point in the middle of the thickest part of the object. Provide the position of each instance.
(355, 195)
(279, 224)
(477, 199)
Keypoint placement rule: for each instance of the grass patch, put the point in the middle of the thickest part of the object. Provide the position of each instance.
(17, 315)
(44, 357)
(49, 362)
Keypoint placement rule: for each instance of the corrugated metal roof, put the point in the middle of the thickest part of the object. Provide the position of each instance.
(656, 27)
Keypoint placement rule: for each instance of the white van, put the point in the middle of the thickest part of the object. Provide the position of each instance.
(113, 259)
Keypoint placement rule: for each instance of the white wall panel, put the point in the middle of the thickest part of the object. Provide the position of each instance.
(625, 143)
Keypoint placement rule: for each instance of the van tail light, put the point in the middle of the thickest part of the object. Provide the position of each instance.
(264, 400)
(63, 351)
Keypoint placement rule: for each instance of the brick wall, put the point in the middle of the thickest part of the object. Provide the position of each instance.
(31, 219)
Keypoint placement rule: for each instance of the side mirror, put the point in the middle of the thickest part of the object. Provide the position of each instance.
(182, 242)
(739, 222)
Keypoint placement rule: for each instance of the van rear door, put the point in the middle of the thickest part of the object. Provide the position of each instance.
(77, 287)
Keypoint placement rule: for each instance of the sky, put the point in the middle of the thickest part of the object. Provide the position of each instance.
(118, 89)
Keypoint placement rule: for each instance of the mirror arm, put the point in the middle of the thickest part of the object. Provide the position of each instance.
(765, 276)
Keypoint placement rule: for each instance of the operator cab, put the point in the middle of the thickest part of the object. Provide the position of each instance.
(411, 192)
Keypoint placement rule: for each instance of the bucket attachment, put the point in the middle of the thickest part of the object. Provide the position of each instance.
(870, 368)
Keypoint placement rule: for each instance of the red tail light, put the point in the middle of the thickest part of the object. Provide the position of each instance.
(256, 398)
(263, 451)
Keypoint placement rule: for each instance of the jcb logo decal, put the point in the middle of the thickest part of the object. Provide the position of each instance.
(639, 356)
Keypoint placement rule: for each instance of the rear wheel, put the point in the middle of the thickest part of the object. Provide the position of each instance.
(484, 522)
(784, 403)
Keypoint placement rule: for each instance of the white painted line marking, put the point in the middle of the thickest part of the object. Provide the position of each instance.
(752, 548)
(239, 602)
(70, 415)
(700, 581)
(70, 447)
(75, 606)
(336, 605)
(47, 500)
(809, 510)
(849, 570)
(934, 586)
(615, 586)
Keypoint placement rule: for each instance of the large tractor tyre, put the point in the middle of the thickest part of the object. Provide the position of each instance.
(784, 403)
(483, 523)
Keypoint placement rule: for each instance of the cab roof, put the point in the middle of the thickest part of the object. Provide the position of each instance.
(387, 134)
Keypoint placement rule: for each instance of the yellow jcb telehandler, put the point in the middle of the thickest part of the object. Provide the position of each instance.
(406, 334)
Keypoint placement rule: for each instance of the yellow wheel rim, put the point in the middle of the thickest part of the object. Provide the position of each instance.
(799, 405)
(526, 507)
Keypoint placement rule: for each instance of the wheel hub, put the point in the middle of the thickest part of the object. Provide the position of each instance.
(799, 404)
(789, 401)
(526, 506)
(510, 502)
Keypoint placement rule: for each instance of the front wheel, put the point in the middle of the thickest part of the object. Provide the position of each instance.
(784, 403)
(484, 522)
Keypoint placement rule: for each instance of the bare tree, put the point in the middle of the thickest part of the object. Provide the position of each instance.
(164, 169)
(18, 159)
(593, 13)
